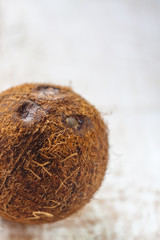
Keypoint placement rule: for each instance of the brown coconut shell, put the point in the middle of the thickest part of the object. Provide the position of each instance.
(53, 153)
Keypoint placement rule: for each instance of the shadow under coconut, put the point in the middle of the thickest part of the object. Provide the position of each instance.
(13, 231)
(84, 222)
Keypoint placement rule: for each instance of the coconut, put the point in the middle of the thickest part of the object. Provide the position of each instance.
(53, 153)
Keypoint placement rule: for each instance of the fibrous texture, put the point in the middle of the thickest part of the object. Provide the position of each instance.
(53, 153)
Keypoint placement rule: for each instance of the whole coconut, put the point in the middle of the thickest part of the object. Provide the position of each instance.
(53, 153)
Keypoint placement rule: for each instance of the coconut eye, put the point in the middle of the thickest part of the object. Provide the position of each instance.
(80, 124)
(73, 122)
(76, 122)
(47, 90)
(27, 110)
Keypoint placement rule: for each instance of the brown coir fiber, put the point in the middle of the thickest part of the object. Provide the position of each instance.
(53, 153)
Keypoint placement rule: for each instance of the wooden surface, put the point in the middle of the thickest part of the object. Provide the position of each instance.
(109, 51)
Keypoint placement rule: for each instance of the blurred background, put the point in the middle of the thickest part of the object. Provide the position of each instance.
(109, 52)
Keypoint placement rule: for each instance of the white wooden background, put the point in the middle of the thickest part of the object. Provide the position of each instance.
(108, 51)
